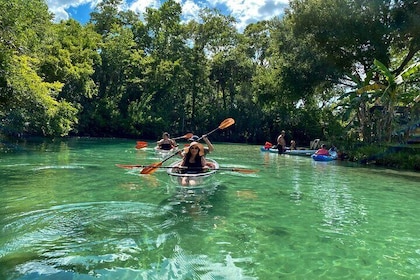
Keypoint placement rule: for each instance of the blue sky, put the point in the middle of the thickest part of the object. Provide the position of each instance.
(245, 11)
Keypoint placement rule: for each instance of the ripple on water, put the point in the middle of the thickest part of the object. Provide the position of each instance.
(114, 240)
(65, 236)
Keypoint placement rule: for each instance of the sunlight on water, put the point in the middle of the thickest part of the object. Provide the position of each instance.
(69, 213)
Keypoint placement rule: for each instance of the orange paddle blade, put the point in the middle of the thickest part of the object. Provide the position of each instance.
(141, 144)
(242, 170)
(226, 123)
(128, 166)
(151, 168)
(188, 135)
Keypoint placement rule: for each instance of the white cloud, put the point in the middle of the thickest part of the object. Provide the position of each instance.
(248, 11)
(58, 7)
(190, 10)
(139, 6)
(244, 11)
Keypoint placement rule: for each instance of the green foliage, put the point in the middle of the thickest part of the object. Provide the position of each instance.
(29, 102)
(23, 24)
(387, 156)
(36, 109)
(318, 72)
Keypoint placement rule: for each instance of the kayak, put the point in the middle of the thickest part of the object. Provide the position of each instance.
(302, 152)
(332, 156)
(165, 153)
(200, 179)
(271, 150)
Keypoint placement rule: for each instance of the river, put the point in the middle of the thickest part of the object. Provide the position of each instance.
(67, 212)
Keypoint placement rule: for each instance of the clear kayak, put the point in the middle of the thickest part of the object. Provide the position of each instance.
(199, 179)
(165, 153)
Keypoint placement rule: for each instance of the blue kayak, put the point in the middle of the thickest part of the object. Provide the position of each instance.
(332, 156)
(301, 152)
(271, 150)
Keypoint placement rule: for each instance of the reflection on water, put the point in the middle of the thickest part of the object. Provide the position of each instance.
(69, 213)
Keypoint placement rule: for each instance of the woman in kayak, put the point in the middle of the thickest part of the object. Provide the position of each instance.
(193, 162)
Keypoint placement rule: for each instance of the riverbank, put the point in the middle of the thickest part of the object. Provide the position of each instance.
(402, 157)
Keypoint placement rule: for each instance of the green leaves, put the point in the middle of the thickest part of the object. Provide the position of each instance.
(35, 101)
(412, 72)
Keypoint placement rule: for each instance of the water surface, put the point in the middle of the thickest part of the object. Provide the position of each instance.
(67, 212)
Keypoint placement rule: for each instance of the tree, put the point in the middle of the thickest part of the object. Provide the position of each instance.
(108, 14)
(70, 54)
(343, 52)
(28, 102)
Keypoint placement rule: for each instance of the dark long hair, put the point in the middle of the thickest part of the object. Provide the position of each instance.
(188, 156)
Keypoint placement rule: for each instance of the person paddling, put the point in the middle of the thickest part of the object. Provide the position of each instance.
(193, 162)
(323, 151)
(166, 143)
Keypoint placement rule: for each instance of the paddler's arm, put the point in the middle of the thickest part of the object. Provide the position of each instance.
(209, 144)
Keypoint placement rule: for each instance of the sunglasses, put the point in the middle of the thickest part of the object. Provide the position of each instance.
(194, 148)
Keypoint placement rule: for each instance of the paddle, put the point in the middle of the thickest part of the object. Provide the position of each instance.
(233, 169)
(152, 168)
(141, 144)
(186, 136)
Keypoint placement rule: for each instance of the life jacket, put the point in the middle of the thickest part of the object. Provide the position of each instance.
(165, 146)
(322, 152)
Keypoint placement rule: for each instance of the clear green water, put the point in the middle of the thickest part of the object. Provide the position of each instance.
(67, 212)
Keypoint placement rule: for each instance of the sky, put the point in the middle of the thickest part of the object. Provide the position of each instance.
(244, 11)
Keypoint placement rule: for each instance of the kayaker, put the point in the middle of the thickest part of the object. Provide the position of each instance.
(166, 143)
(322, 151)
(193, 162)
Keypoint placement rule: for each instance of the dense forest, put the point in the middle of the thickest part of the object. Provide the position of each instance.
(339, 70)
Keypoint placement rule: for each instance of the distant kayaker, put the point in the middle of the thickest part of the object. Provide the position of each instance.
(166, 143)
(322, 151)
